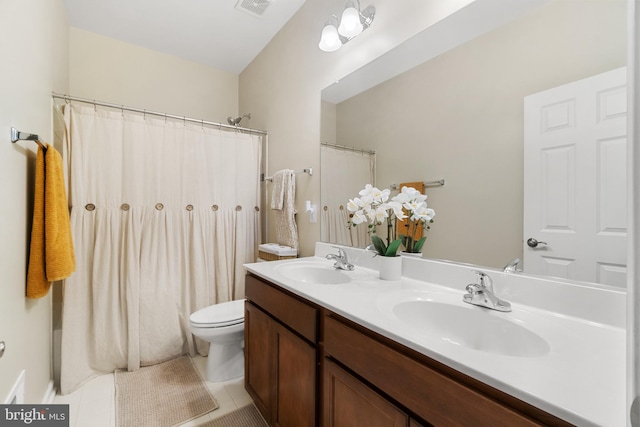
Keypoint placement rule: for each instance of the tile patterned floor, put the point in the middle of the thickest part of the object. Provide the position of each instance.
(93, 404)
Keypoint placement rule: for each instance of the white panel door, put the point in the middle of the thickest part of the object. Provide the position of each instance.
(575, 180)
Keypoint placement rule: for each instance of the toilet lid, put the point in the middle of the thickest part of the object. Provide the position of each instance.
(218, 315)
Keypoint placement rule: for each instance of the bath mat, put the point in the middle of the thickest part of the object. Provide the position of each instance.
(247, 416)
(167, 394)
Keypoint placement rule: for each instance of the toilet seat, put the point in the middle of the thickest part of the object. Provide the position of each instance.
(219, 315)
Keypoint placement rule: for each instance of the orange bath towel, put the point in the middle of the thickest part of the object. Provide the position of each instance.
(51, 256)
(404, 226)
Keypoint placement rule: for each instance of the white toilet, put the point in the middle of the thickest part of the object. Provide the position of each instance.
(223, 326)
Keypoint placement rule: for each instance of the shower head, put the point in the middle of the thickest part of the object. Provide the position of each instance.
(237, 120)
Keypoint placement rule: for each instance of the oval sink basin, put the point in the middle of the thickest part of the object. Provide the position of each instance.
(472, 327)
(313, 274)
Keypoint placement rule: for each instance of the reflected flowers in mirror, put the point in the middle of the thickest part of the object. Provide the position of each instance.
(419, 217)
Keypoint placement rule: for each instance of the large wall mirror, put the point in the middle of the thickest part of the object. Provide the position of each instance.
(460, 117)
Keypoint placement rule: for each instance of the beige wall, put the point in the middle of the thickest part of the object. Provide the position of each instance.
(460, 117)
(109, 70)
(281, 87)
(328, 122)
(34, 47)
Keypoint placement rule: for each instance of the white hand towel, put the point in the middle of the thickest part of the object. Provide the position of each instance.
(284, 205)
(280, 181)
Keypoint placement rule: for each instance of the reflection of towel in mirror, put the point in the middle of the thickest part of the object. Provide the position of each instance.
(51, 254)
(283, 196)
(403, 226)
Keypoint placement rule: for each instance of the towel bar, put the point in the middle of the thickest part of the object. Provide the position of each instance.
(437, 183)
(16, 135)
(306, 170)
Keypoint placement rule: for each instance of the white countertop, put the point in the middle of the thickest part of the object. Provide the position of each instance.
(581, 379)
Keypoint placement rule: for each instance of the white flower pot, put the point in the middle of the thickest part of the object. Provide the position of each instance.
(413, 254)
(390, 267)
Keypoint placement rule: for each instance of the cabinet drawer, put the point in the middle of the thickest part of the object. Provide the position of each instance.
(433, 396)
(350, 403)
(299, 316)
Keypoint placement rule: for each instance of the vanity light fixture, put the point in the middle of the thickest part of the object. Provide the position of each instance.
(352, 22)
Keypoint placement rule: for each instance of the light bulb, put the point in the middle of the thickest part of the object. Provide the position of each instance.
(350, 25)
(330, 40)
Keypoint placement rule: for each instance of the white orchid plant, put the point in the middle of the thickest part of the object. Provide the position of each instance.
(374, 208)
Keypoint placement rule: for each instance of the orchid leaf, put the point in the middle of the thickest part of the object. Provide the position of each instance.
(378, 243)
(392, 250)
(417, 247)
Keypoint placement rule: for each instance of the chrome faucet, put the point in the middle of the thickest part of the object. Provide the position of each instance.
(482, 294)
(341, 260)
(512, 266)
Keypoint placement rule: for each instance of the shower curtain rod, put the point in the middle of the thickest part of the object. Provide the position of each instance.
(346, 148)
(155, 113)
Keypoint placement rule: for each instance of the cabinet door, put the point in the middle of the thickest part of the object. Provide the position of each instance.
(258, 361)
(295, 404)
(350, 403)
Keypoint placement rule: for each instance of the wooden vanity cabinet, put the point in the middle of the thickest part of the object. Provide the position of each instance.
(432, 393)
(281, 365)
(294, 349)
(348, 402)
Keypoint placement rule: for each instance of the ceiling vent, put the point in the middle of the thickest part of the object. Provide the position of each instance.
(253, 7)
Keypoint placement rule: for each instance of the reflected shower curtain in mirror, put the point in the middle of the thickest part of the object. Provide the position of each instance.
(343, 174)
(163, 215)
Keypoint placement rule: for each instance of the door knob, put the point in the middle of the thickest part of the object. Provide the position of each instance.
(533, 243)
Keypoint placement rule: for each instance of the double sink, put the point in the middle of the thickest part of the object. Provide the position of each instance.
(438, 315)
(561, 348)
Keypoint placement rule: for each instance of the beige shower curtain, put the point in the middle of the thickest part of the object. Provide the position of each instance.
(343, 174)
(163, 214)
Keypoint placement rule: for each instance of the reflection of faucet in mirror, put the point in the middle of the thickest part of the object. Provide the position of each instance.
(483, 295)
(512, 266)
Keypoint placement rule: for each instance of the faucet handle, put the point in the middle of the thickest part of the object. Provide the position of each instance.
(473, 288)
(484, 280)
(342, 253)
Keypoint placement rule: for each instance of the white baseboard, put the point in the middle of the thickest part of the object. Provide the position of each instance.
(16, 395)
(50, 394)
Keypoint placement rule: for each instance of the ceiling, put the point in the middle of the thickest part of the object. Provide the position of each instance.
(211, 32)
(474, 19)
